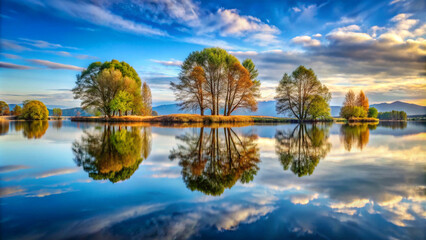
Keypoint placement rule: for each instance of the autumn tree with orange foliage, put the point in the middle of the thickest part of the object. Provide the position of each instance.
(214, 79)
(362, 101)
(355, 107)
(239, 92)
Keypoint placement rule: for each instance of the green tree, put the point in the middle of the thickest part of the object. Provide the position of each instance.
(319, 108)
(372, 112)
(352, 111)
(393, 115)
(17, 110)
(297, 93)
(34, 110)
(57, 112)
(98, 85)
(122, 102)
(4, 108)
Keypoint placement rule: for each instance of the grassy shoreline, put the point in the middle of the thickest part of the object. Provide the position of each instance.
(195, 118)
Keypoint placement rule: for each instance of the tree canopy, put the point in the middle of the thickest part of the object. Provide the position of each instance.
(302, 95)
(355, 106)
(372, 112)
(57, 112)
(17, 110)
(34, 110)
(214, 79)
(4, 108)
(100, 83)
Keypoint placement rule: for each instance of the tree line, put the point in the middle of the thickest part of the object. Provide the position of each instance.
(393, 115)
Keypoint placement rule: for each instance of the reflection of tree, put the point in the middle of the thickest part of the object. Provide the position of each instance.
(393, 124)
(57, 124)
(31, 129)
(112, 153)
(302, 148)
(213, 161)
(4, 127)
(355, 135)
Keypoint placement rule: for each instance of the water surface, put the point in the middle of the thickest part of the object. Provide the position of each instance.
(62, 180)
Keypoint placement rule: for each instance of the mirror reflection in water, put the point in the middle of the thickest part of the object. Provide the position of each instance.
(301, 148)
(215, 159)
(112, 153)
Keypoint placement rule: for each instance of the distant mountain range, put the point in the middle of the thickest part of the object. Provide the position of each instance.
(265, 108)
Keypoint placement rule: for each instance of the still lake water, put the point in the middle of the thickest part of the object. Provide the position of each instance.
(67, 180)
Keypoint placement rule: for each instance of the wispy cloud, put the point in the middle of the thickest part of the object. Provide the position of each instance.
(10, 191)
(11, 168)
(10, 56)
(12, 45)
(99, 16)
(54, 65)
(56, 172)
(14, 66)
(43, 44)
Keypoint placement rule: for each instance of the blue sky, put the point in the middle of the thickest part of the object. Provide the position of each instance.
(377, 46)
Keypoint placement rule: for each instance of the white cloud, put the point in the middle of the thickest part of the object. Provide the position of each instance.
(229, 23)
(306, 41)
(318, 35)
(296, 9)
(349, 28)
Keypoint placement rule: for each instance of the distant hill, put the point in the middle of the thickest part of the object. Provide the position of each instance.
(72, 112)
(267, 108)
(409, 108)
